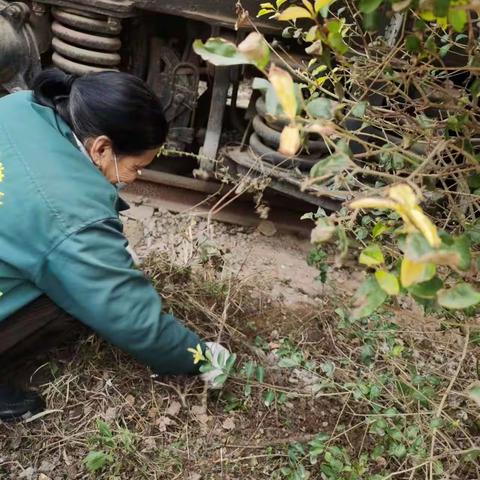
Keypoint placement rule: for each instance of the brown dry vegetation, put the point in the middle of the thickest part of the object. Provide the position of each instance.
(171, 428)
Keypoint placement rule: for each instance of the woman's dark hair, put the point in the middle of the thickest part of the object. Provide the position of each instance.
(115, 104)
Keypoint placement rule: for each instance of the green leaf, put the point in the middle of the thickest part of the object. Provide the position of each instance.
(320, 108)
(260, 374)
(388, 282)
(372, 21)
(462, 247)
(412, 44)
(289, 362)
(220, 380)
(455, 254)
(337, 43)
(441, 7)
(96, 460)
(473, 392)
(359, 109)
(444, 50)
(458, 19)
(104, 429)
(334, 26)
(220, 52)
(261, 84)
(328, 368)
(368, 6)
(368, 298)
(379, 229)
(268, 397)
(371, 255)
(330, 166)
(473, 232)
(459, 297)
(249, 369)
(264, 11)
(474, 181)
(427, 290)
(397, 450)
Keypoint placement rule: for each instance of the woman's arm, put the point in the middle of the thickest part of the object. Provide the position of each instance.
(91, 275)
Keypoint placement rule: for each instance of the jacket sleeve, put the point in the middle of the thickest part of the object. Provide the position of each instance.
(91, 275)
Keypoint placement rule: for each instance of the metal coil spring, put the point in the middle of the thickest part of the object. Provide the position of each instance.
(85, 42)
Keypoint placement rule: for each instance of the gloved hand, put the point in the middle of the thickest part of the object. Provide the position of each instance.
(220, 362)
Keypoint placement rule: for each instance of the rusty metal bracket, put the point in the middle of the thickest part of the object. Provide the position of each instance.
(208, 152)
(281, 180)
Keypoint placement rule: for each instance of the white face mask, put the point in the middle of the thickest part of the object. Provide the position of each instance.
(119, 185)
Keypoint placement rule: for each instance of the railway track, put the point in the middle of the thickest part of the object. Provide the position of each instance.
(218, 201)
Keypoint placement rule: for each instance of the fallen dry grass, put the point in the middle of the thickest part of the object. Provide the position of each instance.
(314, 372)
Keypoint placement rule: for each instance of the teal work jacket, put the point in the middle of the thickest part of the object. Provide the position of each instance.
(60, 235)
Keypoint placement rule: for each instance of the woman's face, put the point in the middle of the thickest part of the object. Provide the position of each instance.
(118, 169)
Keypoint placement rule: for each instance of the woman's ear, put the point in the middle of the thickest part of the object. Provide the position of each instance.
(100, 150)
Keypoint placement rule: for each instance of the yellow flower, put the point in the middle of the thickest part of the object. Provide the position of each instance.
(404, 201)
(197, 354)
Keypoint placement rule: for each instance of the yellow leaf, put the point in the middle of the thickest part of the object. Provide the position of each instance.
(415, 272)
(319, 4)
(388, 282)
(371, 255)
(426, 227)
(283, 85)
(311, 34)
(442, 22)
(309, 7)
(404, 195)
(290, 141)
(372, 202)
(292, 13)
(428, 16)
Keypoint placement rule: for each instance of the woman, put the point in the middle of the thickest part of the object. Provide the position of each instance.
(65, 147)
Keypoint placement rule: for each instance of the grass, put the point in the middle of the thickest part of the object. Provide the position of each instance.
(313, 395)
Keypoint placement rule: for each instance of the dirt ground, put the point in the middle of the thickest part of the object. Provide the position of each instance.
(272, 260)
(107, 417)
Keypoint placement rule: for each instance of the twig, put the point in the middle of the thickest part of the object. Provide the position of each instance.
(438, 413)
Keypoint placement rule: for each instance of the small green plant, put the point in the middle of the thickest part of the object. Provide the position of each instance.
(108, 447)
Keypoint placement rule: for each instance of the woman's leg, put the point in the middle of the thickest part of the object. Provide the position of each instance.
(36, 328)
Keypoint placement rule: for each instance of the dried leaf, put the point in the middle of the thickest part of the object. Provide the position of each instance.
(323, 231)
(284, 87)
(372, 202)
(228, 424)
(173, 409)
(290, 141)
(256, 49)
